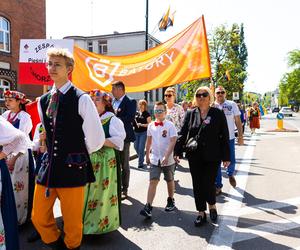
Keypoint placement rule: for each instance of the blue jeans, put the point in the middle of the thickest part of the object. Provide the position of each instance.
(231, 168)
(139, 145)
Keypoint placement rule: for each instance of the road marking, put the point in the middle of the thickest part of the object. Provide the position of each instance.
(222, 237)
(241, 234)
(267, 207)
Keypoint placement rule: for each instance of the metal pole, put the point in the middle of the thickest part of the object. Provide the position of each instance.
(146, 40)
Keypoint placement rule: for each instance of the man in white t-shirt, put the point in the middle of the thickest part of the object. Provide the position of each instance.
(161, 139)
(232, 114)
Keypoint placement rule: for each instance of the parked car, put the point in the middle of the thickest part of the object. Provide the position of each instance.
(275, 110)
(286, 111)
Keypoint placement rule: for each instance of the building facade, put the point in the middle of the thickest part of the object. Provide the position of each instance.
(119, 44)
(18, 20)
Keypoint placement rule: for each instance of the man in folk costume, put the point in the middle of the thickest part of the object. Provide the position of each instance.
(73, 131)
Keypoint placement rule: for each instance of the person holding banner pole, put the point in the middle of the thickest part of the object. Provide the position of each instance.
(125, 109)
(73, 131)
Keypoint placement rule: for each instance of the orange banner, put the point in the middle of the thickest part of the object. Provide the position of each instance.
(183, 58)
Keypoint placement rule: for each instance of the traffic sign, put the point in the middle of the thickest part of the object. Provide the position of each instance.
(280, 116)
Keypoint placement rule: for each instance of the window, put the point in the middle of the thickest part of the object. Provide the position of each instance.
(102, 45)
(4, 85)
(90, 46)
(4, 35)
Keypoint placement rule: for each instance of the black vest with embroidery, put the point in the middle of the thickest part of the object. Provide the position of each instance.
(69, 162)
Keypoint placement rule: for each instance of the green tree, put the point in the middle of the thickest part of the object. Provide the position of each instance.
(290, 82)
(228, 55)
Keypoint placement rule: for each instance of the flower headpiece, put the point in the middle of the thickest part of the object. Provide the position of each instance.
(15, 94)
(102, 94)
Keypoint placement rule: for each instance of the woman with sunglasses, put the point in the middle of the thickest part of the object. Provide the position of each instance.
(213, 147)
(175, 112)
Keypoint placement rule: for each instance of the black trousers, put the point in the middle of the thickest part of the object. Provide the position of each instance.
(203, 175)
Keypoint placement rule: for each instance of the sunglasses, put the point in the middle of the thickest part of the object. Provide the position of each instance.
(199, 95)
(158, 111)
(168, 95)
(220, 92)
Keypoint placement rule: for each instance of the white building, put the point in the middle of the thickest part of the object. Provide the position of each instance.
(118, 44)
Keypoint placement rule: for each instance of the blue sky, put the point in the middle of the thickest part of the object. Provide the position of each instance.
(271, 27)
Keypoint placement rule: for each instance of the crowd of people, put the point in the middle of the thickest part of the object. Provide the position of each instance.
(79, 154)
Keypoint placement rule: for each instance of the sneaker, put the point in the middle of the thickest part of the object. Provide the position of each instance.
(218, 191)
(170, 205)
(232, 181)
(146, 211)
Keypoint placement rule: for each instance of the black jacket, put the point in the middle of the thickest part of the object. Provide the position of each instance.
(126, 112)
(213, 143)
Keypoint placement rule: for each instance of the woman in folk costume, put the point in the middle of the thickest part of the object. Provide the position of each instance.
(255, 116)
(102, 198)
(21, 167)
(12, 142)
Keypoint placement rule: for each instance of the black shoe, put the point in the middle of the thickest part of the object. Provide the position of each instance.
(170, 205)
(141, 166)
(34, 236)
(146, 211)
(200, 220)
(59, 244)
(213, 214)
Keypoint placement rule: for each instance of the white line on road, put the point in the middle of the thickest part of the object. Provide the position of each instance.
(268, 206)
(222, 236)
(265, 229)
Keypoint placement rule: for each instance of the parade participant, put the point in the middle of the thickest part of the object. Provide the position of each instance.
(161, 139)
(142, 119)
(175, 112)
(102, 201)
(73, 131)
(125, 109)
(254, 117)
(12, 142)
(21, 167)
(209, 128)
(232, 114)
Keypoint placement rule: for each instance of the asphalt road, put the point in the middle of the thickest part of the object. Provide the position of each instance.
(262, 212)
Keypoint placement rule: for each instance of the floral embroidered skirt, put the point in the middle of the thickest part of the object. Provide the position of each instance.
(101, 198)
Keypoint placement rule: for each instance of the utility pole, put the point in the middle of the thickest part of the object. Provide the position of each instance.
(146, 39)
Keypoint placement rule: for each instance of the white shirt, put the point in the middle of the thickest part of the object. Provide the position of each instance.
(161, 136)
(91, 126)
(116, 130)
(116, 103)
(13, 140)
(36, 137)
(230, 110)
(25, 120)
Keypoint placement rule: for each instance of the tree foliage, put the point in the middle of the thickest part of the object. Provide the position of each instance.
(290, 83)
(228, 55)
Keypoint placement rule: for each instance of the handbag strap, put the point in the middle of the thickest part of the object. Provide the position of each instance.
(199, 131)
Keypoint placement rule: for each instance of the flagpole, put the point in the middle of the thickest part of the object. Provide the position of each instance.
(146, 39)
